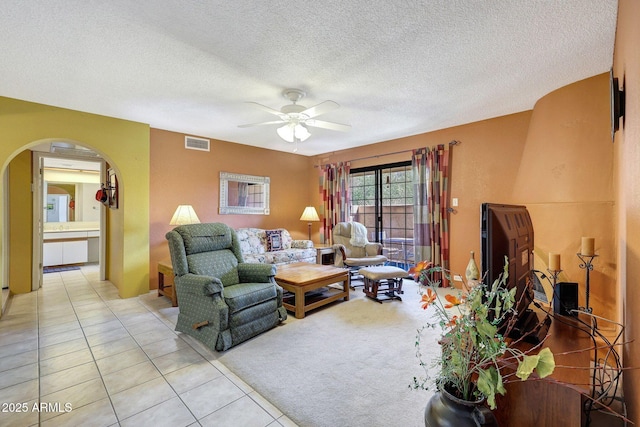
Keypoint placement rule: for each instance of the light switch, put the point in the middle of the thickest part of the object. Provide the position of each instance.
(454, 202)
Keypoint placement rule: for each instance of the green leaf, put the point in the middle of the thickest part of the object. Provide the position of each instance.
(485, 386)
(474, 301)
(456, 361)
(499, 385)
(487, 329)
(482, 312)
(498, 308)
(490, 383)
(526, 366)
(543, 362)
(546, 364)
(505, 270)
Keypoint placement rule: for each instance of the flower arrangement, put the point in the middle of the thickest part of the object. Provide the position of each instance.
(475, 350)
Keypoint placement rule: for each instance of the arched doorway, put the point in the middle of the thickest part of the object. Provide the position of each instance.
(31, 223)
(123, 144)
(69, 227)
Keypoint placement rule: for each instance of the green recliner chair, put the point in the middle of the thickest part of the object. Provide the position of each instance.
(223, 300)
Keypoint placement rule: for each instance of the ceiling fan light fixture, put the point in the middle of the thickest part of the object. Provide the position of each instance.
(291, 132)
(295, 119)
(301, 132)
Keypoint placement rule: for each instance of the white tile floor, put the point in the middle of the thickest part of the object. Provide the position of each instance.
(74, 353)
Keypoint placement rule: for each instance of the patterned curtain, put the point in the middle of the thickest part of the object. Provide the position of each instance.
(334, 187)
(430, 169)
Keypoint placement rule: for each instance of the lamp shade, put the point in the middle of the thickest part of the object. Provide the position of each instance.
(290, 132)
(309, 214)
(184, 214)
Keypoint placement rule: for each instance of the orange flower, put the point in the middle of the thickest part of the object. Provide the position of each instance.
(417, 269)
(453, 301)
(452, 322)
(428, 298)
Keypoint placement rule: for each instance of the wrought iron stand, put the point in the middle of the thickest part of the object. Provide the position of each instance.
(587, 265)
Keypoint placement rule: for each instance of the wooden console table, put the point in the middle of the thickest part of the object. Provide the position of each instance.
(167, 289)
(545, 402)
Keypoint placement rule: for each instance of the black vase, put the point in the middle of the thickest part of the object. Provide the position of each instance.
(446, 410)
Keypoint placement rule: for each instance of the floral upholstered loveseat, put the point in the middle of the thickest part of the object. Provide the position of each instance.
(273, 246)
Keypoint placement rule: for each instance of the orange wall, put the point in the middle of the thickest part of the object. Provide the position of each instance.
(627, 144)
(483, 168)
(566, 181)
(556, 160)
(180, 176)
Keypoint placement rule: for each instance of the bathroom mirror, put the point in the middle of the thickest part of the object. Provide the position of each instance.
(69, 196)
(244, 194)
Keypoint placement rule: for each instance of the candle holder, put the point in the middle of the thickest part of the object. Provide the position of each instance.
(587, 265)
(554, 278)
(551, 278)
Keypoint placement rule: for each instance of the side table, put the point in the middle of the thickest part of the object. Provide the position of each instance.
(167, 289)
(324, 254)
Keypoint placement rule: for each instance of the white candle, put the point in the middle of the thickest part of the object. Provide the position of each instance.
(554, 262)
(588, 245)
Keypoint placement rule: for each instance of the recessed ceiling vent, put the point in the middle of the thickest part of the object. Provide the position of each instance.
(193, 143)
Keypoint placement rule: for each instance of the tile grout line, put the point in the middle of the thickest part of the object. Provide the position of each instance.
(140, 347)
(245, 394)
(87, 341)
(148, 307)
(7, 308)
(73, 307)
(38, 353)
(153, 312)
(95, 361)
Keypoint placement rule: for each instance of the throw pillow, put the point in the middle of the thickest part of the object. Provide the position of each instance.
(274, 240)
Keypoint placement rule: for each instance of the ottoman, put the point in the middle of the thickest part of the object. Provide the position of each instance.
(385, 279)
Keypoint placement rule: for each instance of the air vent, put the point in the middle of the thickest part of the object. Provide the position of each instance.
(193, 143)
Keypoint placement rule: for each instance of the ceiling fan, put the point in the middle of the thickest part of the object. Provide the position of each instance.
(297, 118)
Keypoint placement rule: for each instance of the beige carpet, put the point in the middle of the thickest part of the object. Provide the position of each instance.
(346, 364)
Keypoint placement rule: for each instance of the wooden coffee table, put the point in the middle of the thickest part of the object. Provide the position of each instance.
(302, 277)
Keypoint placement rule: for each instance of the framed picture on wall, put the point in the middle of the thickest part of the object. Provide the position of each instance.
(112, 182)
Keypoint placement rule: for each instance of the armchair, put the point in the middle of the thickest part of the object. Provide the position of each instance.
(223, 300)
(354, 257)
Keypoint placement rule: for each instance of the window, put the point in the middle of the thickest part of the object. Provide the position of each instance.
(382, 200)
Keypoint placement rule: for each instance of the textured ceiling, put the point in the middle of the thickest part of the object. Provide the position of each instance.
(396, 68)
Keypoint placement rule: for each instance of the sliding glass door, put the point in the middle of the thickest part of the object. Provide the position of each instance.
(382, 200)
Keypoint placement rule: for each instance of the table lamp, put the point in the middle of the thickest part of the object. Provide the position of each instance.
(184, 214)
(310, 215)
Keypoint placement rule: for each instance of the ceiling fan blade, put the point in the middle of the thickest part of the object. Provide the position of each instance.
(274, 122)
(269, 110)
(327, 125)
(322, 108)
